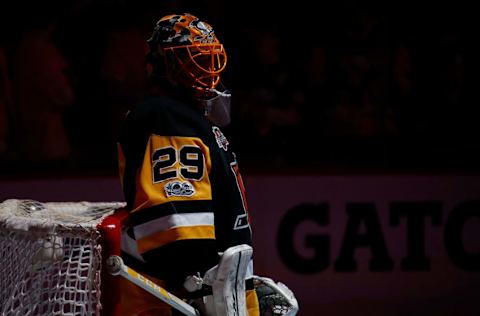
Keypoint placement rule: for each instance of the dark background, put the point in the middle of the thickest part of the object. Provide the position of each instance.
(326, 86)
(367, 88)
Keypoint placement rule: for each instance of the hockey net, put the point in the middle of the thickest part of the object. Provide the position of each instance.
(51, 256)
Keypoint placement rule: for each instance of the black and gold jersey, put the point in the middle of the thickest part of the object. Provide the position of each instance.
(183, 189)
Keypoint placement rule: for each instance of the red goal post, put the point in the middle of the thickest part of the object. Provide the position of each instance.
(52, 257)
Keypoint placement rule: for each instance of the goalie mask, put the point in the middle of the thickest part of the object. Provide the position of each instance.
(193, 58)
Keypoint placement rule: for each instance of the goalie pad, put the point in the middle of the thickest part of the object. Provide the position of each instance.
(274, 298)
(227, 280)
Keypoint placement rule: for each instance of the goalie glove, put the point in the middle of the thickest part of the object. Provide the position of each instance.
(274, 298)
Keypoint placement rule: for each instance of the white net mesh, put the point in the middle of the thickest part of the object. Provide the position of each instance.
(50, 257)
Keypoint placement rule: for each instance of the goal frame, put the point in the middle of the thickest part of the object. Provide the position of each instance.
(110, 229)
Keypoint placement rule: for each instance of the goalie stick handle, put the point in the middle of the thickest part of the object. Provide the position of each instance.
(116, 266)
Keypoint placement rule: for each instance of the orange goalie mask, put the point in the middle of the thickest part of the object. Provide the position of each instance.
(194, 57)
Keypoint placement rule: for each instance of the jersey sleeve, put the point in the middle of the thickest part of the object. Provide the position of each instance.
(173, 192)
(165, 172)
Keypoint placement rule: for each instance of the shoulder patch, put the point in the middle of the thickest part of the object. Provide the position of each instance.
(222, 141)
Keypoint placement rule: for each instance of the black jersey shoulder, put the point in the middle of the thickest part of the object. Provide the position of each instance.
(167, 117)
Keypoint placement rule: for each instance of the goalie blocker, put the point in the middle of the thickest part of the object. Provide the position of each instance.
(227, 283)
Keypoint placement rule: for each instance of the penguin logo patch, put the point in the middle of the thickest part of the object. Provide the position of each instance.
(222, 141)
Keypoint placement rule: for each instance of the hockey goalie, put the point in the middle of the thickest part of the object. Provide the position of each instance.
(188, 229)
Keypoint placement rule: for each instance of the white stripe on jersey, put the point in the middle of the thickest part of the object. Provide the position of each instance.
(171, 221)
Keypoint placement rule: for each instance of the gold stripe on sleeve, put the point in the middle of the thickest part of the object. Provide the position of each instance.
(177, 233)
